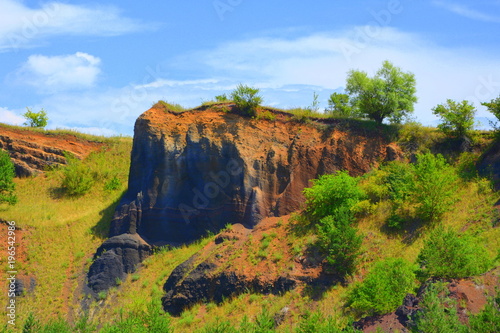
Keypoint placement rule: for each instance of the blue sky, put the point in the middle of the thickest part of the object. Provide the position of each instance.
(96, 66)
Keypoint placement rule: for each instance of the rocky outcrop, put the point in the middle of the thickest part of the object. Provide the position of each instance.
(188, 285)
(114, 259)
(33, 152)
(199, 170)
(489, 163)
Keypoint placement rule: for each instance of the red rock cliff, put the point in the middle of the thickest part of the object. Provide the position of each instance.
(202, 169)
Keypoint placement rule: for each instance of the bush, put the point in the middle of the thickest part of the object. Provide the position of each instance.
(340, 241)
(246, 99)
(446, 254)
(435, 186)
(331, 193)
(488, 320)
(399, 180)
(439, 314)
(7, 174)
(221, 98)
(36, 119)
(78, 179)
(384, 287)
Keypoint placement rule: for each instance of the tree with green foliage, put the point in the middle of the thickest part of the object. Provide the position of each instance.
(339, 106)
(434, 186)
(384, 287)
(340, 240)
(494, 107)
(7, 174)
(457, 118)
(447, 254)
(331, 193)
(246, 99)
(36, 119)
(389, 94)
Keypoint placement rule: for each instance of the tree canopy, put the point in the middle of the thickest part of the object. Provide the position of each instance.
(389, 94)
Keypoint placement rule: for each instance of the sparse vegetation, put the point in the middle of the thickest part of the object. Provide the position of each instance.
(246, 99)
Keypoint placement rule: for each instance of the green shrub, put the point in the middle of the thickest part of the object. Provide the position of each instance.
(447, 254)
(340, 241)
(384, 287)
(488, 320)
(36, 119)
(331, 193)
(267, 115)
(417, 138)
(439, 313)
(435, 186)
(78, 179)
(113, 184)
(246, 99)
(7, 174)
(31, 324)
(221, 98)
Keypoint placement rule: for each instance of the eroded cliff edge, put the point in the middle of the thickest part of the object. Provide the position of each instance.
(197, 171)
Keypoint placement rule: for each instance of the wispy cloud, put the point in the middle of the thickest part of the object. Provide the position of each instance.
(22, 26)
(9, 117)
(60, 73)
(466, 11)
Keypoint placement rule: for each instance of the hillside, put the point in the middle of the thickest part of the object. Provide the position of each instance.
(262, 266)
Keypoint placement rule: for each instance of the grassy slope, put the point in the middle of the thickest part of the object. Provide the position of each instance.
(63, 233)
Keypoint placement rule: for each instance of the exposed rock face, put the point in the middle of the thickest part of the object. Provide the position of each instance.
(204, 283)
(199, 170)
(115, 258)
(32, 152)
(489, 164)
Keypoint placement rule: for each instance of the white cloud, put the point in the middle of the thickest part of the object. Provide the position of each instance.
(22, 26)
(288, 71)
(466, 11)
(323, 60)
(9, 117)
(59, 73)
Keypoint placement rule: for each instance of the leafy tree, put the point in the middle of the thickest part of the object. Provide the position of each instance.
(339, 239)
(383, 287)
(389, 94)
(36, 119)
(331, 193)
(7, 174)
(246, 99)
(339, 106)
(458, 118)
(434, 187)
(494, 107)
(446, 254)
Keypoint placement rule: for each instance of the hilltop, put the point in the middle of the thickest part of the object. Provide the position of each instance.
(255, 262)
